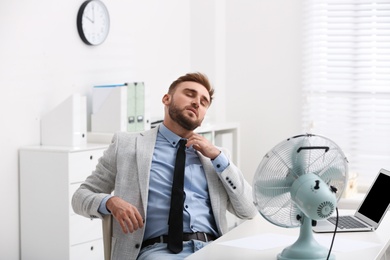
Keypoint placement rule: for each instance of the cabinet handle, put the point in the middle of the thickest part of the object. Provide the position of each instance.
(91, 248)
(90, 157)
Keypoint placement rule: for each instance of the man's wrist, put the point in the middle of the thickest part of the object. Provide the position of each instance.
(220, 163)
(219, 152)
(103, 209)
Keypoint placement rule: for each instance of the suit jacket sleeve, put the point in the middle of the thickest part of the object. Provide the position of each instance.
(229, 191)
(87, 198)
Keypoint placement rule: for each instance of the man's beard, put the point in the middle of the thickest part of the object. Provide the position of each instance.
(176, 114)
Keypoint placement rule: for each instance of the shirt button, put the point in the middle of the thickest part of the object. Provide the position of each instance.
(137, 245)
(218, 166)
(186, 206)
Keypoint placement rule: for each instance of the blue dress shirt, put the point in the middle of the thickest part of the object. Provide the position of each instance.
(197, 214)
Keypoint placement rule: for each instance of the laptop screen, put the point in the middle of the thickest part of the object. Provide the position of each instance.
(377, 199)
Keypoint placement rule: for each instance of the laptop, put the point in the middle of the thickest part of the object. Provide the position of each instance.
(370, 212)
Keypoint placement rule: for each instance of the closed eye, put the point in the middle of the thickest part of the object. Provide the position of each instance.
(193, 93)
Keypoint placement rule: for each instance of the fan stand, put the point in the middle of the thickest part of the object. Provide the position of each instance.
(306, 247)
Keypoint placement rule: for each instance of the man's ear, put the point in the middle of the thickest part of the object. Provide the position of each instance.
(166, 99)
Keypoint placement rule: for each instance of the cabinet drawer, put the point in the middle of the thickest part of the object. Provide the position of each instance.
(81, 164)
(72, 189)
(92, 250)
(84, 229)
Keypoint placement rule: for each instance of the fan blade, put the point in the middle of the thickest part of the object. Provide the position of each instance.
(284, 215)
(288, 161)
(272, 187)
(335, 176)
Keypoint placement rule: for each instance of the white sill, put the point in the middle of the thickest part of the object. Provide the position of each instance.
(351, 202)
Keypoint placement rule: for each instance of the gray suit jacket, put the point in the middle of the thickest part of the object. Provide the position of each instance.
(125, 167)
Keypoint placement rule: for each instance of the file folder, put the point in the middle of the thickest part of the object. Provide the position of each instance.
(66, 124)
(119, 107)
(109, 108)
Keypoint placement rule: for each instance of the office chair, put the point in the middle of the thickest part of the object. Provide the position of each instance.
(107, 235)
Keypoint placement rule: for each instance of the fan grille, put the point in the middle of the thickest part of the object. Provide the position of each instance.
(325, 209)
(287, 161)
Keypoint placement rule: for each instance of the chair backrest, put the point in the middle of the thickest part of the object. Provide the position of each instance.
(107, 235)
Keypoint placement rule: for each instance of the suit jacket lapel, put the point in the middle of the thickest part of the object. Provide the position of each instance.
(144, 151)
(213, 185)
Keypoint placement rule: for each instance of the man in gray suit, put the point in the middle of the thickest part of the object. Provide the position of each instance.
(139, 167)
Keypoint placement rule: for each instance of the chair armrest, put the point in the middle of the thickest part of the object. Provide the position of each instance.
(107, 234)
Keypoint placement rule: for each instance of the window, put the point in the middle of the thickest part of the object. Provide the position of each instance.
(346, 80)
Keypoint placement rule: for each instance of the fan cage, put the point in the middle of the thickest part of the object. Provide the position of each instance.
(288, 160)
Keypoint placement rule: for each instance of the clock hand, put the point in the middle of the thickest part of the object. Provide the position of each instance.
(88, 15)
(88, 18)
(93, 13)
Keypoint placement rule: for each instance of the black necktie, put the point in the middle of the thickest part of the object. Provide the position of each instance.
(175, 222)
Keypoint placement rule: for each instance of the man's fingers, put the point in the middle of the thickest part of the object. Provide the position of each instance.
(126, 214)
(129, 224)
(140, 220)
(123, 225)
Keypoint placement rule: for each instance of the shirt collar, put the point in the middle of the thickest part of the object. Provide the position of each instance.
(170, 136)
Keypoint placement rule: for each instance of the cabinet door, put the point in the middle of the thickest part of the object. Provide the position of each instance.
(92, 250)
(73, 187)
(81, 164)
(84, 229)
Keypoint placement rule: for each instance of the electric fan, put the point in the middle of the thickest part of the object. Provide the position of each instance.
(300, 181)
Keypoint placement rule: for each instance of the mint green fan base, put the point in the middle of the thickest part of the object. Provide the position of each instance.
(306, 247)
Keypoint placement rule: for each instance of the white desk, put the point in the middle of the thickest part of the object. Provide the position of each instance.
(257, 226)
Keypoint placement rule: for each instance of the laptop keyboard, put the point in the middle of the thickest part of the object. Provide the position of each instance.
(347, 222)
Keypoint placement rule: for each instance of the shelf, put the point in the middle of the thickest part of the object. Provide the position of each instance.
(222, 135)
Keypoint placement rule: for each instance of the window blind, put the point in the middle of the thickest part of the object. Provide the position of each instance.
(346, 80)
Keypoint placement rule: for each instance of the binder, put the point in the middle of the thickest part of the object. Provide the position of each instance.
(138, 116)
(131, 107)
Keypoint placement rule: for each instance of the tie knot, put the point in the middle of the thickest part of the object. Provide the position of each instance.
(182, 142)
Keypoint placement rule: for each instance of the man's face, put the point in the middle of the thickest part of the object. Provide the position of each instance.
(189, 104)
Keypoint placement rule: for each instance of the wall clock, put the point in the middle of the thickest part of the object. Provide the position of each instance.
(93, 22)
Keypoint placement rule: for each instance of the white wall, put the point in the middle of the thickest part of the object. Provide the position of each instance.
(252, 49)
(263, 74)
(249, 49)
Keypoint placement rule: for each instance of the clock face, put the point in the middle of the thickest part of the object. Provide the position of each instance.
(93, 22)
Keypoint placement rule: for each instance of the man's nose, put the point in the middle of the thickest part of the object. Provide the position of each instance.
(195, 103)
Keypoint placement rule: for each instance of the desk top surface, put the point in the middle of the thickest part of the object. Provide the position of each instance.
(352, 245)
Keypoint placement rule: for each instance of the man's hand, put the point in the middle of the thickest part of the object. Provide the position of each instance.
(126, 214)
(203, 145)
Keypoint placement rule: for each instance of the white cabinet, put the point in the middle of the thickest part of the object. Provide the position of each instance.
(50, 229)
(225, 135)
